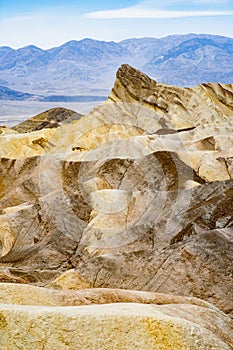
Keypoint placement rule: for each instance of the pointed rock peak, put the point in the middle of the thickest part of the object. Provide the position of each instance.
(131, 84)
(127, 74)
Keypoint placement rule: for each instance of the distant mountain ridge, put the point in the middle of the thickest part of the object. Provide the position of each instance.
(7, 94)
(88, 67)
(13, 95)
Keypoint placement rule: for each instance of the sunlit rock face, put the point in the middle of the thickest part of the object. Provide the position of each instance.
(104, 318)
(136, 195)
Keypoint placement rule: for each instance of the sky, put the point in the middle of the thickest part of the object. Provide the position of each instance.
(49, 23)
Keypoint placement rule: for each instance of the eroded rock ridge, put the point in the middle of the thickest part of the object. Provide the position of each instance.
(137, 195)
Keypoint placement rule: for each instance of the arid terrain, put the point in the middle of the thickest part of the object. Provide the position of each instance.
(116, 228)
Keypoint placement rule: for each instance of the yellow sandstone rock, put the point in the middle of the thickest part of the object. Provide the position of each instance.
(123, 322)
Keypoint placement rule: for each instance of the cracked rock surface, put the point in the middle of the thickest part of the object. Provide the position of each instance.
(114, 318)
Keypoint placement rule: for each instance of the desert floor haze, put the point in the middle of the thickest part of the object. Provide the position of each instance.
(116, 226)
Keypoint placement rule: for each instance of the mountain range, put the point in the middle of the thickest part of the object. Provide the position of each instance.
(88, 67)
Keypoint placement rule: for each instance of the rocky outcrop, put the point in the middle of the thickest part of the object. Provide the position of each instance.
(129, 319)
(52, 118)
(180, 108)
(129, 326)
(136, 195)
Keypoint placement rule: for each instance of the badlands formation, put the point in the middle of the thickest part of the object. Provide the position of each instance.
(116, 227)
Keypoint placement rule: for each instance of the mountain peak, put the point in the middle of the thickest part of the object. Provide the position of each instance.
(134, 82)
(29, 48)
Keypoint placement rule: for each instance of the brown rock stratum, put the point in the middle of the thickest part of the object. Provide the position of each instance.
(137, 195)
(50, 119)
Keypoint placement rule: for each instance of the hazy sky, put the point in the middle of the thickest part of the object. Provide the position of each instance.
(48, 23)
